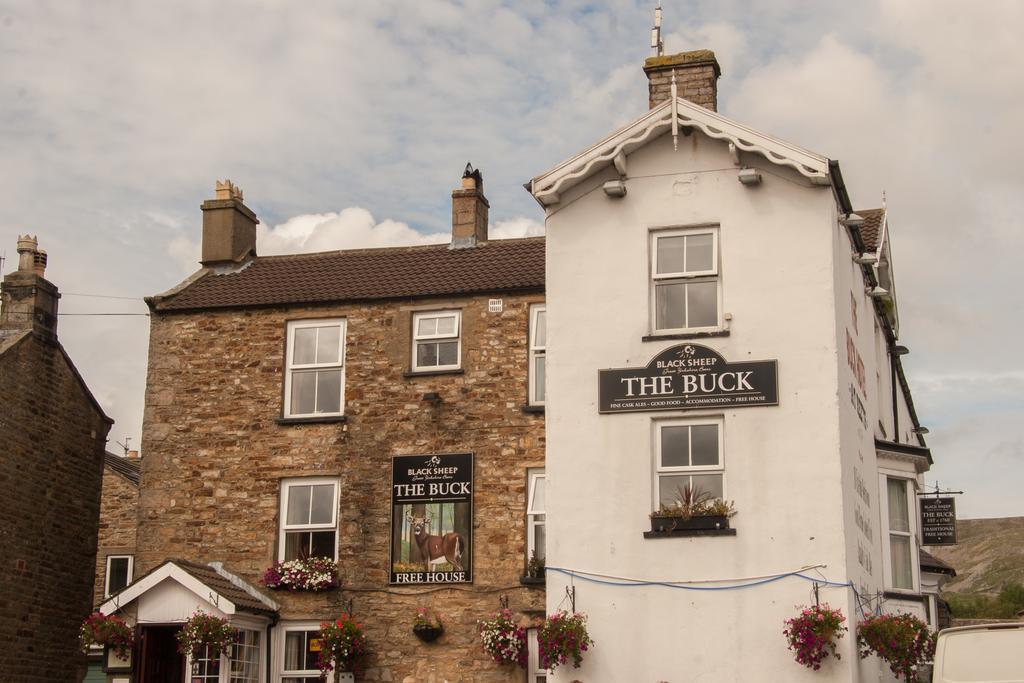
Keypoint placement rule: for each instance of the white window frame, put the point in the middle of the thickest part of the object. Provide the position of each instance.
(261, 653)
(290, 367)
(712, 275)
(533, 670)
(279, 644)
(283, 528)
(106, 572)
(417, 338)
(716, 420)
(915, 569)
(533, 475)
(535, 352)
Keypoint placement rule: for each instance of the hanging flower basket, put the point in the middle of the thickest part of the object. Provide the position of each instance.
(427, 625)
(900, 640)
(812, 635)
(107, 631)
(504, 640)
(310, 574)
(342, 644)
(205, 630)
(562, 637)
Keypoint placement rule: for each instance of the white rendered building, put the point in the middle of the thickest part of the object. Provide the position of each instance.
(721, 317)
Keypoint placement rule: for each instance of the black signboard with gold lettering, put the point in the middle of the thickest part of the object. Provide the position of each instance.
(688, 377)
(432, 518)
(938, 521)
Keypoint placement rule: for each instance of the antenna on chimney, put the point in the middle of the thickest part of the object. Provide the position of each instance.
(657, 44)
(124, 445)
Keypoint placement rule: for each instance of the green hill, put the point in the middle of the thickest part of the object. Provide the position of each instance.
(989, 555)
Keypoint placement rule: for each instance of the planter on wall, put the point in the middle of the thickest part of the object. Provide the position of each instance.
(427, 633)
(692, 524)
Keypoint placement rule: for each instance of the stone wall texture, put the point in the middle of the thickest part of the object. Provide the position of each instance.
(119, 510)
(215, 454)
(53, 441)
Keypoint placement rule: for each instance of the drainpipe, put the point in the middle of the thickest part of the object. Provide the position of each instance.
(895, 405)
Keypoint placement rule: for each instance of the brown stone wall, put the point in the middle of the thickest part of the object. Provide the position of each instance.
(215, 455)
(53, 440)
(119, 509)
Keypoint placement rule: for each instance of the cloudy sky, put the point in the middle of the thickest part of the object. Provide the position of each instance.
(347, 124)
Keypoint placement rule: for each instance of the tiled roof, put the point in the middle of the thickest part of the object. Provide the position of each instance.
(129, 469)
(871, 230)
(933, 564)
(211, 578)
(367, 274)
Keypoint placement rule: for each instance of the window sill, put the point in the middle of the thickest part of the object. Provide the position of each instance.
(689, 532)
(312, 420)
(527, 408)
(686, 335)
(532, 581)
(432, 373)
(900, 595)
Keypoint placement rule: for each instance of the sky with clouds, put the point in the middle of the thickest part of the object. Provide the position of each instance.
(347, 124)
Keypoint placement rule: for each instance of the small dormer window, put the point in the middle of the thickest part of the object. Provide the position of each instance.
(436, 343)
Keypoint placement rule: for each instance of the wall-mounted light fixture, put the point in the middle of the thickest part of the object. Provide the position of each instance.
(865, 259)
(878, 292)
(900, 350)
(852, 220)
(920, 430)
(750, 176)
(615, 189)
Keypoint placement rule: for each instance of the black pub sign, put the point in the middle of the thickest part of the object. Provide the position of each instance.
(938, 521)
(688, 377)
(432, 518)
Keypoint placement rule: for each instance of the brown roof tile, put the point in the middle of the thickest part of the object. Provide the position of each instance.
(366, 274)
(931, 563)
(871, 230)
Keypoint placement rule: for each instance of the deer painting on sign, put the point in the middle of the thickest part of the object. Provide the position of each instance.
(436, 549)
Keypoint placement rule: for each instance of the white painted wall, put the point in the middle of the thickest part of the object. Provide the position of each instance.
(169, 602)
(783, 464)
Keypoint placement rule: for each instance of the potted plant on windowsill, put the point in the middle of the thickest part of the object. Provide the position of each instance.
(426, 624)
(534, 570)
(692, 510)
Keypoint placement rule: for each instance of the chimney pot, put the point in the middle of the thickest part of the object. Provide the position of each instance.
(27, 300)
(229, 227)
(698, 69)
(26, 253)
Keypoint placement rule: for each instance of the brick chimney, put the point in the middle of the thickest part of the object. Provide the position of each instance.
(229, 227)
(28, 301)
(696, 71)
(469, 211)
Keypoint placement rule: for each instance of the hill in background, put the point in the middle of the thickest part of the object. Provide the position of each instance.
(989, 554)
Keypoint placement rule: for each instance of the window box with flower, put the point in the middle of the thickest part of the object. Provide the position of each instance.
(694, 512)
(309, 574)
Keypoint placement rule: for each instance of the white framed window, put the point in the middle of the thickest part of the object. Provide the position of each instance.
(534, 674)
(244, 665)
(688, 461)
(314, 379)
(298, 650)
(436, 340)
(900, 553)
(118, 573)
(538, 346)
(204, 667)
(535, 513)
(685, 291)
(309, 518)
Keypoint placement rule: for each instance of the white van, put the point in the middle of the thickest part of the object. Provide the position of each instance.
(989, 653)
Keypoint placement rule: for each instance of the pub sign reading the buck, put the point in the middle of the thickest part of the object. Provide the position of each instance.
(432, 518)
(688, 377)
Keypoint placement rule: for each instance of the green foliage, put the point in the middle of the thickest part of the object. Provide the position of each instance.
(979, 606)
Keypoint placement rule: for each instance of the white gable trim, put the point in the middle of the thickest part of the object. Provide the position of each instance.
(167, 571)
(547, 187)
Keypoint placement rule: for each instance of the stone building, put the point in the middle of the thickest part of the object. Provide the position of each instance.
(380, 407)
(53, 432)
(749, 353)
(115, 551)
